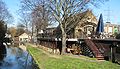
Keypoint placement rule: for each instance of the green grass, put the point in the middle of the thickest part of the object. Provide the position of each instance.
(45, 61)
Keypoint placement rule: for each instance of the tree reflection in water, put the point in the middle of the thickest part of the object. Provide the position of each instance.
(17, 59)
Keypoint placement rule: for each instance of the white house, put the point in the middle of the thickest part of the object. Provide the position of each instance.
(24, 37)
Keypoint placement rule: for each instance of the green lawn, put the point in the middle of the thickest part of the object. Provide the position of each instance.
(46, 61)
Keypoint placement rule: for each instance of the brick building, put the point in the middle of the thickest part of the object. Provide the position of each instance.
(109, 28)
(85, 25)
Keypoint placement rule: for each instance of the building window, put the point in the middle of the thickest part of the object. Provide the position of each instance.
(20, 39)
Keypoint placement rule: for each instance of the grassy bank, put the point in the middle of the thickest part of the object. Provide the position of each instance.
(48, 61)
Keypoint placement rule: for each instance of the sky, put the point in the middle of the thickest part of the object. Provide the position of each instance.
(113, 15)
(13, 6)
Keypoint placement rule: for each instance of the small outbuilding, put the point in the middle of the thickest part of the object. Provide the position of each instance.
(23, 38)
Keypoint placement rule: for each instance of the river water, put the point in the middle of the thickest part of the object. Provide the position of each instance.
(17, 58)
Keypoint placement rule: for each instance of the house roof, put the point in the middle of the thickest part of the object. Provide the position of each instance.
(23, 34)
(83, 19)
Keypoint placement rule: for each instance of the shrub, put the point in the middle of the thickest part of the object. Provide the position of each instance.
(118, 36)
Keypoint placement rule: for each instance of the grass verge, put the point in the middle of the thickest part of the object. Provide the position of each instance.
(45, 61)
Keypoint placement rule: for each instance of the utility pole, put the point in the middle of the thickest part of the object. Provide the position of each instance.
(108, 14)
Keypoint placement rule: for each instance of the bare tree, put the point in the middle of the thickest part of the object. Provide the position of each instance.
(20, 29)
(24, 19)
(12, 31)
(40, 18)
(4, 13)
(39, 13)
(63, 9)
(5, 17)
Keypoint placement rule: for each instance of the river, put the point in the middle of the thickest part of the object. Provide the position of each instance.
(17, 58)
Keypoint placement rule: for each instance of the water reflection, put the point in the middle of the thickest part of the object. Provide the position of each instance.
(17, 59)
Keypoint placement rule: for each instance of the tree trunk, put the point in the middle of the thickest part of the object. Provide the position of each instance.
(63, 43)
(37, 30)
(32, 33)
